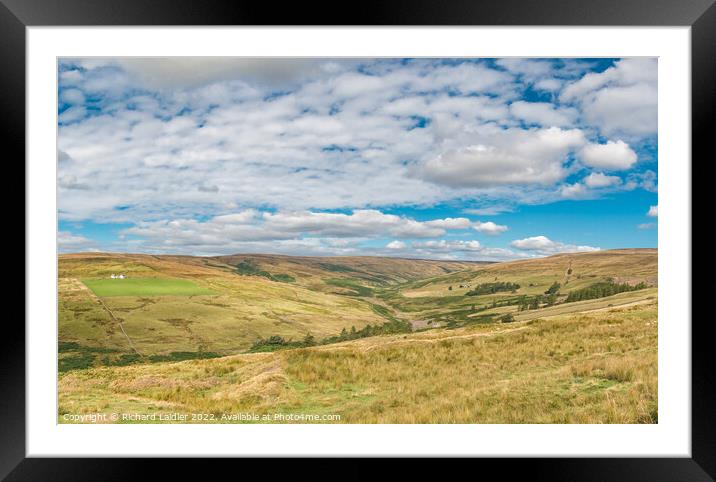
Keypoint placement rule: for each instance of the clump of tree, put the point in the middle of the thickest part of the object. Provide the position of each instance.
(491, 288)
(273, 343)
(602, 290)
(508, 318)
(276, 342)
(184, 355)
(309, 340)
(552, 290)
(390, 327)
(534, 302)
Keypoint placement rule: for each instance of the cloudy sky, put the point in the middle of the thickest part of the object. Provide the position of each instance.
(483, 159)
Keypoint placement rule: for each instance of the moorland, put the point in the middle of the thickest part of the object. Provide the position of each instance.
(569, 338)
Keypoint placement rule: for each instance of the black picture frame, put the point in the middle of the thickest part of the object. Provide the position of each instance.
(700, 15)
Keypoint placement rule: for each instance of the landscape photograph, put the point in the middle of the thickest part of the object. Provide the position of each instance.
(357, 240)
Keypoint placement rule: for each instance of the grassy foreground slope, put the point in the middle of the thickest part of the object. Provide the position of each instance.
(594, 367)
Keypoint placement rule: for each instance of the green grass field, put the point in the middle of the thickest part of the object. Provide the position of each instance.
(145, 287)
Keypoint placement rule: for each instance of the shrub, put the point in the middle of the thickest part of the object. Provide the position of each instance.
(602, 290)
(552, 290)
(276, 342)
(490, 288)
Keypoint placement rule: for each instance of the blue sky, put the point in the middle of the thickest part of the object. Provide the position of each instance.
(482, 159)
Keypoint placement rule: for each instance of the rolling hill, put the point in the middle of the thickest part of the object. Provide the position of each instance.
(597, 367)
(349, 334)
(444, 299)
(235, 300)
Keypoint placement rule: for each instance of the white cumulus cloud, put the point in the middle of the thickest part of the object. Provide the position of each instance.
(216, 155)
(450, 223)
(574, 191)
(615, 155)
(597, 180)
(489, 228)
(506, 157)
(543, 113)
(226, 233)
(620, 100)
(545, 246)
(461, 249)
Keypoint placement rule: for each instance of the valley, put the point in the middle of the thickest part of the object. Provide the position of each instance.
(566, 338)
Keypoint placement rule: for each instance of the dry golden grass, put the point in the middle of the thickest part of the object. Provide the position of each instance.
(328, 294)
(312, 272)
(598, 367)
(618, 301)
(535, 275)
(442, 300)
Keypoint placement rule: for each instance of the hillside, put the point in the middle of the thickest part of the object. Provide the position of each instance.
(370, 270)
(235, 300)
(567, 338)
(595, 367)
(579, 269)
(228, 312)
(444, 299)
(183, 307)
